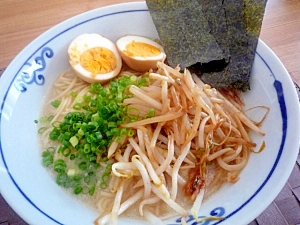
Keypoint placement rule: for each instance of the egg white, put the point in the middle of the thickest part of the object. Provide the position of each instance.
(138, 63)
(85, 42)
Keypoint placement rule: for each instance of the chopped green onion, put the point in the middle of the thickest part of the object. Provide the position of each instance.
(66, 152)
(71, 172)
(104, 159)
(85, 135)
(47, 158)
(151, 112)
(44, 119)
(92, 190)
(51, 150)
(61, 178)
(123, 131)
(131, 133)
(78, 177)
(42, 130)
(55, 103)
(77, 106)
(105, 178)
(87, 98)
(74, 141)
(56, 124)
(133, 78)
(87, 148)
(85, 190)
(87, 179)
(79, 99)
(93, 158)
(73, 94)
(103, 185)
(115, 131)
(112, 124)
(133, 112)
(49, 119)
(82, 166)
(80, 132)
(72, 157)
(59, 165)
(77, 190)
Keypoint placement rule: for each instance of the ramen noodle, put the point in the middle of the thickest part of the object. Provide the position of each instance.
(187, 139)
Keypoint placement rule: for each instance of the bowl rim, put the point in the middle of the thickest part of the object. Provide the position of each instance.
(5, 78)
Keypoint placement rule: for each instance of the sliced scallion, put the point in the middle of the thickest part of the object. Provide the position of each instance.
(42, 130)
(55, 103)
(85, 134)
(77, 190)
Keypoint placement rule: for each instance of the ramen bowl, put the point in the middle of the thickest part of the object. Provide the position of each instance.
(29, 189)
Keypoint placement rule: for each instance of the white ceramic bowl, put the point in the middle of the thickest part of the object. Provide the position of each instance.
(27, 186)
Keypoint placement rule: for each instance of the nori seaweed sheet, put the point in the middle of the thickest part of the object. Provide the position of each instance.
(172, 22)
(213, 38)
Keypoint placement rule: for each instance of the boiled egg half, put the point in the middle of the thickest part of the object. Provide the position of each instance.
(140, 53)
(94, 58)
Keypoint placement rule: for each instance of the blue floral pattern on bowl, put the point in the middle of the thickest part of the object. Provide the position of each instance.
(30, 71)
(217, 212)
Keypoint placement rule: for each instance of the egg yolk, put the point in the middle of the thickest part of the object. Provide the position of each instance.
(98, 60)
(141, 49)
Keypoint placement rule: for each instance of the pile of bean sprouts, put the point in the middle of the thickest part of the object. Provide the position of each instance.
(195, 129)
